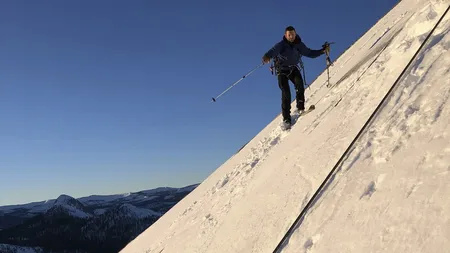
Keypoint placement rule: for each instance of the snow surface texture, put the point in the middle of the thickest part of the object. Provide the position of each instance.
(391, 192)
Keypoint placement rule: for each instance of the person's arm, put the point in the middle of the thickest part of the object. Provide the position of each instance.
(274, 51)
(306, 51)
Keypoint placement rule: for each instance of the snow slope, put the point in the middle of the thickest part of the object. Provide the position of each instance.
(390, 193)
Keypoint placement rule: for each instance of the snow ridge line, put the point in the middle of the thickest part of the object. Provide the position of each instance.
(301, 216)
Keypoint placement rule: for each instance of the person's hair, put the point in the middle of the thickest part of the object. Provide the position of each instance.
(289, 28)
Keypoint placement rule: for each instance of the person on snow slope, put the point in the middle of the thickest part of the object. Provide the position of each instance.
(286, 55)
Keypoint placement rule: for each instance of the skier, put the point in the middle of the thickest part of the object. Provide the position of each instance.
(286, 55)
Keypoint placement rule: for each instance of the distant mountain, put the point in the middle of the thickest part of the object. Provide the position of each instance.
(70, 206)
(88, 224)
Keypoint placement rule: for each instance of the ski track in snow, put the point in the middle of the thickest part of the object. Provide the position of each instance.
(249, 203)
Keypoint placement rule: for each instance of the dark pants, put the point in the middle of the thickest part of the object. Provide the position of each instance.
(295, 77)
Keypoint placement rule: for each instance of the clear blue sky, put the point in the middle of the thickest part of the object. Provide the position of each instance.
(104, 97)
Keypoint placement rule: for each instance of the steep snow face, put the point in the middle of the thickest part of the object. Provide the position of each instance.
(392, 192)
(389, 195)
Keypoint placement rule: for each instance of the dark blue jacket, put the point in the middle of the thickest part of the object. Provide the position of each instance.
(288, 53)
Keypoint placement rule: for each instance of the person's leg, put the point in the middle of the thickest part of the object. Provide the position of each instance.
(283, 83)
(297, 79)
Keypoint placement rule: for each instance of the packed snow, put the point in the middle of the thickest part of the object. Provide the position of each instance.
(390, 194)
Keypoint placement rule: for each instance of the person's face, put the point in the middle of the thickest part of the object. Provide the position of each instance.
(290, 35)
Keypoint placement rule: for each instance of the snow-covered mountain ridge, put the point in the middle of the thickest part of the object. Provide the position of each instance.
(89, 224)
(388, 193)
(96, 203)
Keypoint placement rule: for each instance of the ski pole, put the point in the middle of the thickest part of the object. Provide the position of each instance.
(328, 70)
(329, 62)
(214, 99)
